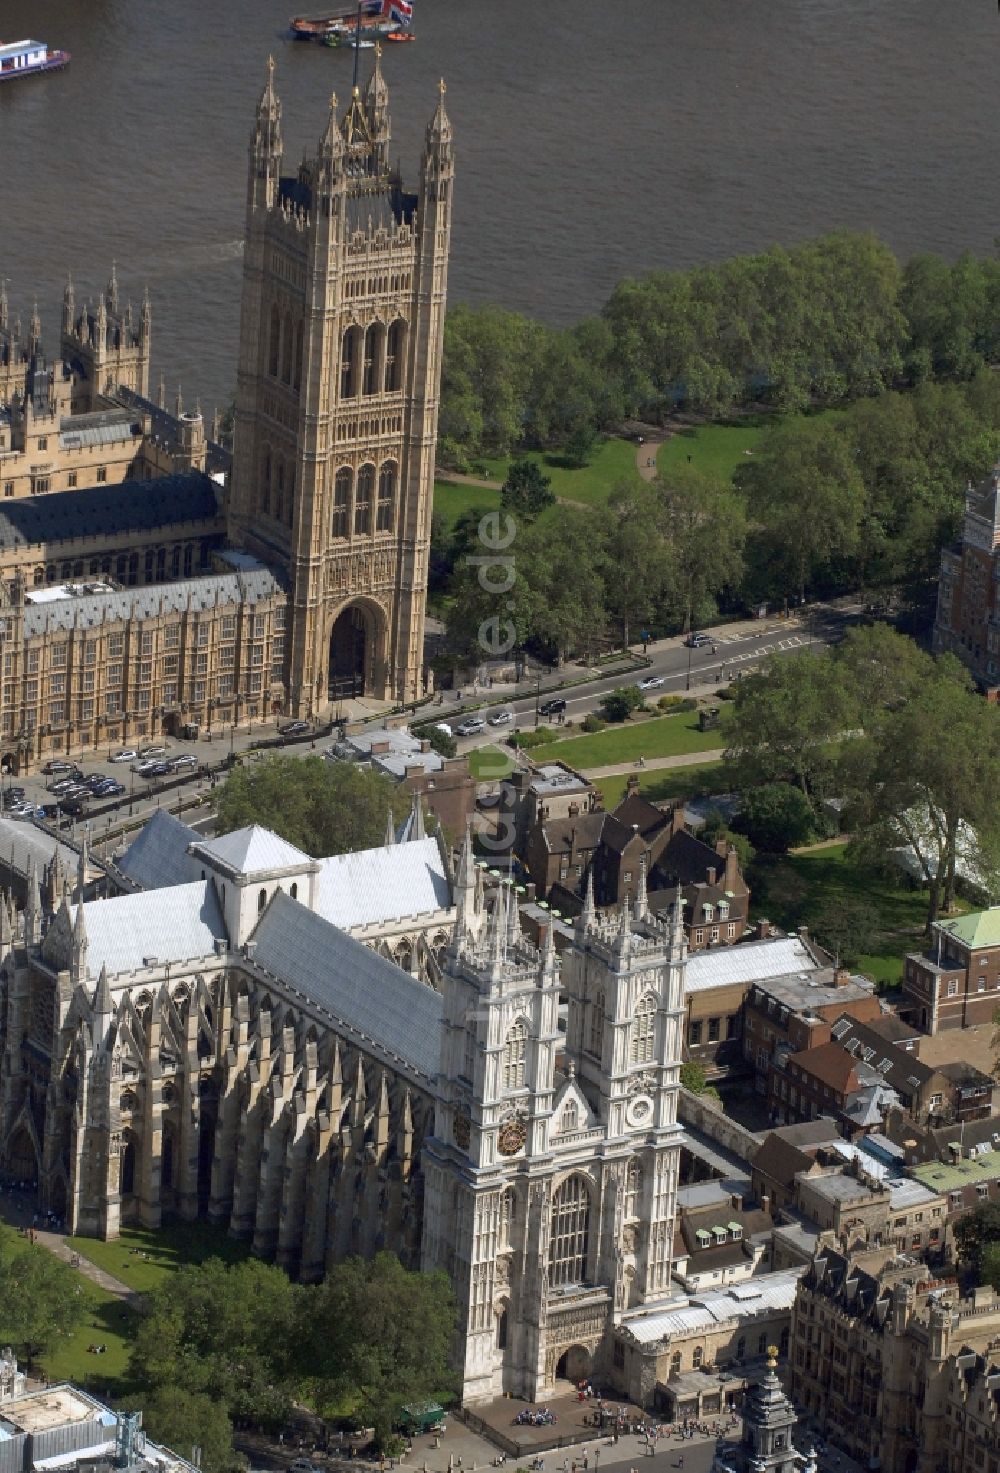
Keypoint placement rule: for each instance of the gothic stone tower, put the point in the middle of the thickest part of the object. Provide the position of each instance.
(551, 1176)
(337, 400)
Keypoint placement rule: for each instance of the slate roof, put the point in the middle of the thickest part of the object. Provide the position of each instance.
(21, 842)
(174, 925)
(254, 850)
(902, 1070)
(830, 1064)
(634, 809)
(100, 511)
(91, 609)
(370, 998)
(377, 885)
(157, 856)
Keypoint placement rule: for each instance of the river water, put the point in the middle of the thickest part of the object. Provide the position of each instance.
(594, 138)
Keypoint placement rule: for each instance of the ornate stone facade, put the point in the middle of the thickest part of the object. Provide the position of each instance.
(345, 279)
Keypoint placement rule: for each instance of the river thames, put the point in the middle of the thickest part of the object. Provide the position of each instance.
(593, 140)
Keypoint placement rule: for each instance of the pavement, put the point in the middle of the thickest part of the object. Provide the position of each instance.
(19, 1209)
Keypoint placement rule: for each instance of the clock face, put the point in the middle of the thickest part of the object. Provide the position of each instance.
(511, 1136)
(462, 1130)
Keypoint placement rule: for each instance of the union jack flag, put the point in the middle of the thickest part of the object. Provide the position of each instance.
(401, 10)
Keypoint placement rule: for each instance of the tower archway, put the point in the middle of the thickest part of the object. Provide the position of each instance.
(356, 652)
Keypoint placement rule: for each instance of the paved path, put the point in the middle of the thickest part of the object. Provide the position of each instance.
(645, 456)
(683, 759)
(18, 1209)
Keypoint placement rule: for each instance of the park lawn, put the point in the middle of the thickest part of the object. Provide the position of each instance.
(655, 736)
(452, 498)
(791, 889)
(667, 785)
(108, 1321)
(165, 1250)
(714, 449)
(612, 461)
(489, 764)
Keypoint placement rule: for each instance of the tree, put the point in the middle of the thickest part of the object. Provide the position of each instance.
(559, 591)
(322, 807)
(526, 491)
(703, 523)
(803, 485)
(716, 827)
(846, 926)
(637, 558)
(377, 1337)
(776, 817)
(183, 1420)
(41, 1299)
(229, 1332)
(693, 1076)
(975, 1233)
(784, 719)
(441, 742)
(619, 704)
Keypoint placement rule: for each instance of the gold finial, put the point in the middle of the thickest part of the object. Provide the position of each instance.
(442, 86)
(356, 92)
(378, 50)
(333, 102)
(772, 1357)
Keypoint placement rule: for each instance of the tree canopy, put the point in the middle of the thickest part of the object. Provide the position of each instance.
(322, 807)
(41, 1299)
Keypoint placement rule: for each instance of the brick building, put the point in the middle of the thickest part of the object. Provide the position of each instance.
(797, 1012)
(967, 622)
(955, 982)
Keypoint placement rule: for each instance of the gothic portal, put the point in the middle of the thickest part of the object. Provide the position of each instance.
(344, 288)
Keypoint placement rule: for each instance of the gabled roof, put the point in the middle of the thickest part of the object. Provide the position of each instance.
(97, 511)
(254, 850)
(751, 961)
(582, 829)
(173, 925)
(372, 999)
(157, 856)
(902, 1070)
(830, 1063)
(638, 811)
(687, 859)
(781, 1160)
(378, 885)
(21, 842)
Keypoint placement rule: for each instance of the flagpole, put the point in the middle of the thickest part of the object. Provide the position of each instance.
(357, 44)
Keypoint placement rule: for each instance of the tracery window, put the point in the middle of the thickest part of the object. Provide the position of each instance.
(515, 1054)
(633, 1188)
(394, 356)
(570, 1233)
(341, 502)
(386, 497)
(363, 498)
(644, 1030)
(595, 1044)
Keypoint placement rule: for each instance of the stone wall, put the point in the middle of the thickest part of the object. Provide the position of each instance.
(706, 1116)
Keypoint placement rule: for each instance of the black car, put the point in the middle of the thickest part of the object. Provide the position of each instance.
(297, 728)
(72, 807)
(552, 708)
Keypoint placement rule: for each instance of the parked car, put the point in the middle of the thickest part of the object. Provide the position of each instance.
(57, 766)
(95, 780)
(72, 807)
(302, 1465)
(554, 707)
(155, 769)
(147, 752)
(652, 682)
(697, 641)
(126, 754)
(501, 718)
(295, 728)
(49, 810)
(470, 726)
(186, 759)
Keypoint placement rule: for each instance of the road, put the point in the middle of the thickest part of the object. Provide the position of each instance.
(738, 648)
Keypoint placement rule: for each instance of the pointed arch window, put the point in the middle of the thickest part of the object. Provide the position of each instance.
(279, 491)
(570, 1235)
(595, 1041)
(261, 902)
(515, 1055)
(286, 351)
(508, 1217)
(394, 355)
(385, 510)
(348, 364)
(274, 343)
(363, 497)
(373, 346)
(339, 523)
(265, 484)
(298, 356)
(633, 1188)
(643, 1030)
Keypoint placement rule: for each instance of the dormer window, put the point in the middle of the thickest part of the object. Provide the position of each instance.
(735, 1231)
(720, 1234)
(709, 912)
(723, 910)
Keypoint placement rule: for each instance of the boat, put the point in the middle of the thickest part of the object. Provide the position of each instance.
(347, 42)
(25, 58)
(400, 36)
(376, 19)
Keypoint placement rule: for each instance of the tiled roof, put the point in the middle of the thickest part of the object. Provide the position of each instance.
(157, 856)
(637, 810)
(254, 850)
(830, 1064)
(980, 928)
(173, 925)
(377, 885)
(752, 961)
(370, 997)
(88, 610)
(21, 842)
(98, 511)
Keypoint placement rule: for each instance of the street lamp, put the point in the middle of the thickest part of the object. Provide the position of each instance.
(538, 691)
(690, 648)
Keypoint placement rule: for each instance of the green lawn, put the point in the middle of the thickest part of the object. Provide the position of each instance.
(715, 449)
(489, 764)
(657, 736)
(451, 499)
(145, 1259)
(108, 1322)
(668, 784)
(591, 483)
(789, 891)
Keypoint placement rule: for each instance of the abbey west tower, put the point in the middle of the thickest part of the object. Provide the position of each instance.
(344, 290)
